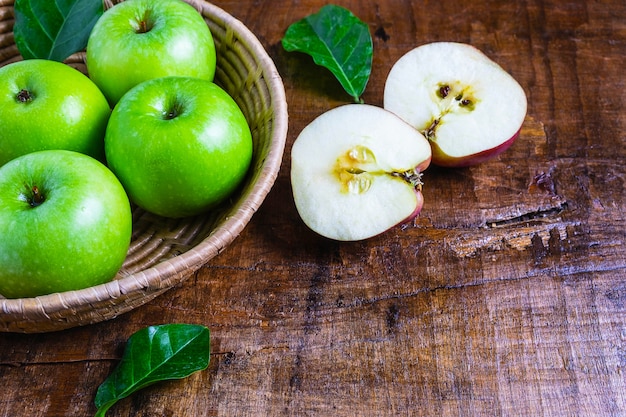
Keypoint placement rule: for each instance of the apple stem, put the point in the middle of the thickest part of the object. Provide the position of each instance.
(430, 131)
(36, 198)
(171, 114)
(413, 177)
(173, 110)
(145, 24)
(24, 96)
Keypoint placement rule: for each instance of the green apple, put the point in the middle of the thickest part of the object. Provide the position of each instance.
(179, 145)
(65, 222)
(49, 105)
(137, 40)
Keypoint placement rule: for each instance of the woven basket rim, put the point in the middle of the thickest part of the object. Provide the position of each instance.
(188, 262)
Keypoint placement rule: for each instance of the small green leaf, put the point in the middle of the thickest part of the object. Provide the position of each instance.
(337, 40)
(153, 354)
(54, 29)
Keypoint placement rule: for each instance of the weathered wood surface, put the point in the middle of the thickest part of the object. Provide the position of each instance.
(506, 297)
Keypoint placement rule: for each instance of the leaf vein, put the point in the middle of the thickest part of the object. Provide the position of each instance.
(332, 54)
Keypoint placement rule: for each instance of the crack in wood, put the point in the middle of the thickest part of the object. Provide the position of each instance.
(542, 215)
(519, 238)
(19, 364)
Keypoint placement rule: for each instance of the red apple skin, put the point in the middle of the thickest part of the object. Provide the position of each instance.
(420, 197)
(418, 208)
(442, 159)
(420, 201)
(422, 167)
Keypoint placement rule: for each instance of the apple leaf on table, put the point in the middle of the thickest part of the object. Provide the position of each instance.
(338, 40)
(153, 354)
(54, 29)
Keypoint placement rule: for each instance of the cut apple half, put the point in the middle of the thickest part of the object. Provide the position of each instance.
(467, 106)
(356, 172)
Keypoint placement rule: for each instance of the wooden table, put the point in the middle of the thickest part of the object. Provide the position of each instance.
(506, 297)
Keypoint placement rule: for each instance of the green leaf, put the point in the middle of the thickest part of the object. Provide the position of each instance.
(153, 354)
(54, 29)
(337, 40)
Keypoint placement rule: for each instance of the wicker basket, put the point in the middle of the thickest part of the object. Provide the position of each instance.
(164, 252)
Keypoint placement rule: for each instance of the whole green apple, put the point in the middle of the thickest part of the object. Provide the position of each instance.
(137, 40)
(50, 105)
(179, 145)
(65, 222)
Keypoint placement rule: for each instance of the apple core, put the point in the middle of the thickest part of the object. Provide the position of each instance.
(351, 169)
(451, 97)
(357, 167)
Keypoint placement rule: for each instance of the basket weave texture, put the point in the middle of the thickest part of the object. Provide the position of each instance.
(164, 252)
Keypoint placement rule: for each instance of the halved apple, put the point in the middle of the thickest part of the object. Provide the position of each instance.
(356, 172)
(467, 106)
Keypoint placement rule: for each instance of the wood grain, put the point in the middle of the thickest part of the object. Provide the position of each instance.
(506, 296)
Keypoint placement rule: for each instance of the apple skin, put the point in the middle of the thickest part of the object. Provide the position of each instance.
(50, 105)
(355, 172)
(446, 161)
(179, 145)
(138, 40)
(77, 237)
(467, 106)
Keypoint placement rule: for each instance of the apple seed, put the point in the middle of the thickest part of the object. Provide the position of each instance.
(463, 96)
(351, 169)
(444, 90)
(452, 96)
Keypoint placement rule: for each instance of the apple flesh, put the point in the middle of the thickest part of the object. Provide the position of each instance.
(50, 105)
(138, 40)
(356, 172)
(65, 223)
(467, 106)
(179, 145)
